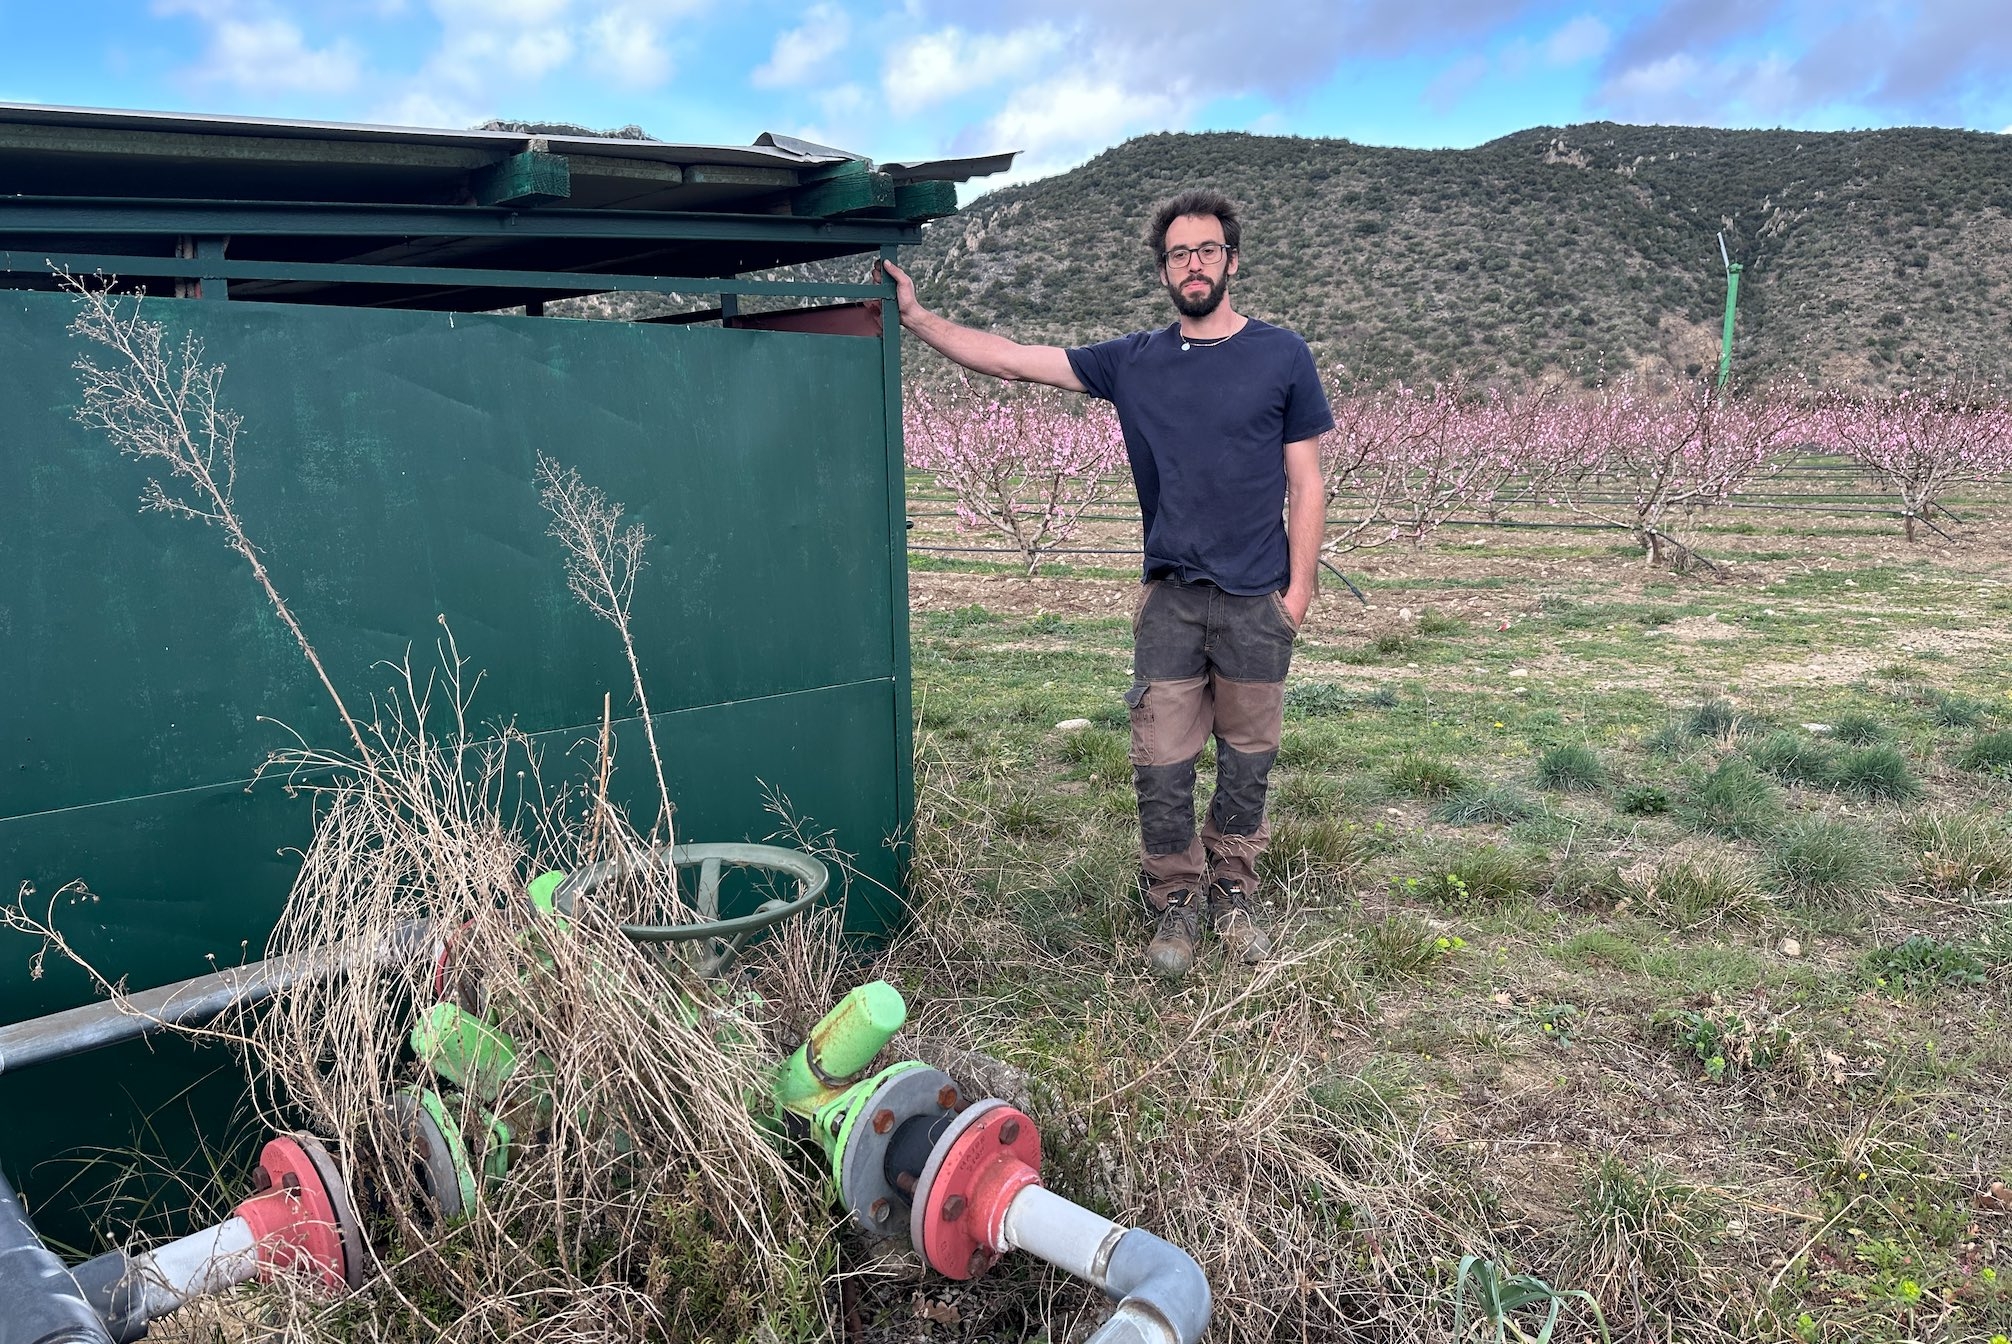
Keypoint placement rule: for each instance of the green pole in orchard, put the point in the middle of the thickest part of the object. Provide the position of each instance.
(1732, 297)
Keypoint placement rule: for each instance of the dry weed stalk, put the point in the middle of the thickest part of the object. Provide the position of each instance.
(602, 561)
(639, 1179)
(157, 401)
(642, 1199)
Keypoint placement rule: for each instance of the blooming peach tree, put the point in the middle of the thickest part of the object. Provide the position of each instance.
(1026, 464)
(1921, 443)
(1649, 463)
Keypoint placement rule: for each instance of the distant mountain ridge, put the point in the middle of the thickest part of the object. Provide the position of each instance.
(1871, 257)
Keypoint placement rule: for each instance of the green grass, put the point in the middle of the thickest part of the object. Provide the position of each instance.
(1825, 862)
(1880, 774)
(1734, 801)
(1417, 775)
(1958, 852)
(1643, 800)
(1474, 939)
(1949, 709)
(1319, 699)
(1921, 964)
(1324, 845)
(1469, 877)
(1402, 947)
(1792, 758)
(1701, 892)
(1433, 622)
(1486, 804)
(1569, 767)
(1720, 719)
(1990, 753)
(1858, 728)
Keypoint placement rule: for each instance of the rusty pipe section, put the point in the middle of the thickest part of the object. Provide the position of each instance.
(1162, 1295)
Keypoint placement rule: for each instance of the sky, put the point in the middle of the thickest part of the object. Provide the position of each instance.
(1057, 80)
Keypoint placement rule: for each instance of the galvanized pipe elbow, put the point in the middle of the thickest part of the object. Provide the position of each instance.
(1163, 1296)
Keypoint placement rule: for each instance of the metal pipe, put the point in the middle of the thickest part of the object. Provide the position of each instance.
(1163, 1296)
(39, 1302)
(202, 1263)
(188, 1003)
(128, 1291)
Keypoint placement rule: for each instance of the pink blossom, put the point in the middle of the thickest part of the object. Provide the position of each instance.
(1026, 464)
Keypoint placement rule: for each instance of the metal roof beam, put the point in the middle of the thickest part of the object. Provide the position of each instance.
(91, 216)
(455, 276)
(204, 148)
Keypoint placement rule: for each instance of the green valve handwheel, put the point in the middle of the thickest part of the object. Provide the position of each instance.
(812, 879)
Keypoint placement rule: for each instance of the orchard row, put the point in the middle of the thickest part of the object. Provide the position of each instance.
(1030, 464)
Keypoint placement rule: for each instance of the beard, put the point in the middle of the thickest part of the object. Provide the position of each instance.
(1199, 305)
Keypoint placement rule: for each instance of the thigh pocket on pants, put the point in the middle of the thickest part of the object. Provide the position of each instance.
(1170, 719)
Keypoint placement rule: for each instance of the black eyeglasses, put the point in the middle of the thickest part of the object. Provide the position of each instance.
(1210, 253)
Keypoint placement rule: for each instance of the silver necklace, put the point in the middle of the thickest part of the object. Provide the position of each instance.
(1188, 342)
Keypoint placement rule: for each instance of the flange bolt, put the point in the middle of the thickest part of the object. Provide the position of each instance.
(880, 1210)
(1009, 1133)
(883, 1120)
(980, 1262)
(946, 1097)
(953, 1208)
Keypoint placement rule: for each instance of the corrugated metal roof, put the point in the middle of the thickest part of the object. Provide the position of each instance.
(143, 186)
(492, 142)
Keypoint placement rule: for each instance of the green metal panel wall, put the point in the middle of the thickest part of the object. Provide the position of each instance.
(386, 470)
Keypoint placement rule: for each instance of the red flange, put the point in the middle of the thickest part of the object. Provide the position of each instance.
(989, 1155)
(298, 1220)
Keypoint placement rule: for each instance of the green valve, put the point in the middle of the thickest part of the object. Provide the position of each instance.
(464, 1050)
(841, 1047)
(542, 889)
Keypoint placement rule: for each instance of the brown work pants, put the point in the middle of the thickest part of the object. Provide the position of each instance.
(1205, 662)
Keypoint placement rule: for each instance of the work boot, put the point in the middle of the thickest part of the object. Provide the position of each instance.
(1172, 951)
(1230, 915)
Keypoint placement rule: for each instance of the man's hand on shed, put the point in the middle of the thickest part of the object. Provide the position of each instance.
(904, 288)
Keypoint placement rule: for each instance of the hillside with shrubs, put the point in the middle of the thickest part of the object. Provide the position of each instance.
(1872, 258)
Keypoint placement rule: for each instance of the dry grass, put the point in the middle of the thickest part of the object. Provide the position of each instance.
(636, 1194)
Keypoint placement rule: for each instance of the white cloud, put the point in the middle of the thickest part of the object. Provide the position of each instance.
(493, 55)
(1655, 80)
(1729, 91)
(799, 52)
(1580, 39)
(255, 48)
(421, 108)
(1065, 119)
(937, 66)
(630, 48)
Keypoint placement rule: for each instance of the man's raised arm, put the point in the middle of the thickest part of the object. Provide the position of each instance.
(979, 351)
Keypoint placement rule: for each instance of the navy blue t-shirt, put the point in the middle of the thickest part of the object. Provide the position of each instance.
(1206, 430)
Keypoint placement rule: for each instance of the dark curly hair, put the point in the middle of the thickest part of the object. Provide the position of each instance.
(1200, 201)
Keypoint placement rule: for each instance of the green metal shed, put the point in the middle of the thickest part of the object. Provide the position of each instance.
(356, 283)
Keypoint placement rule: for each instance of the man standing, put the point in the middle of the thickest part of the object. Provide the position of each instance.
(1221, 414)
